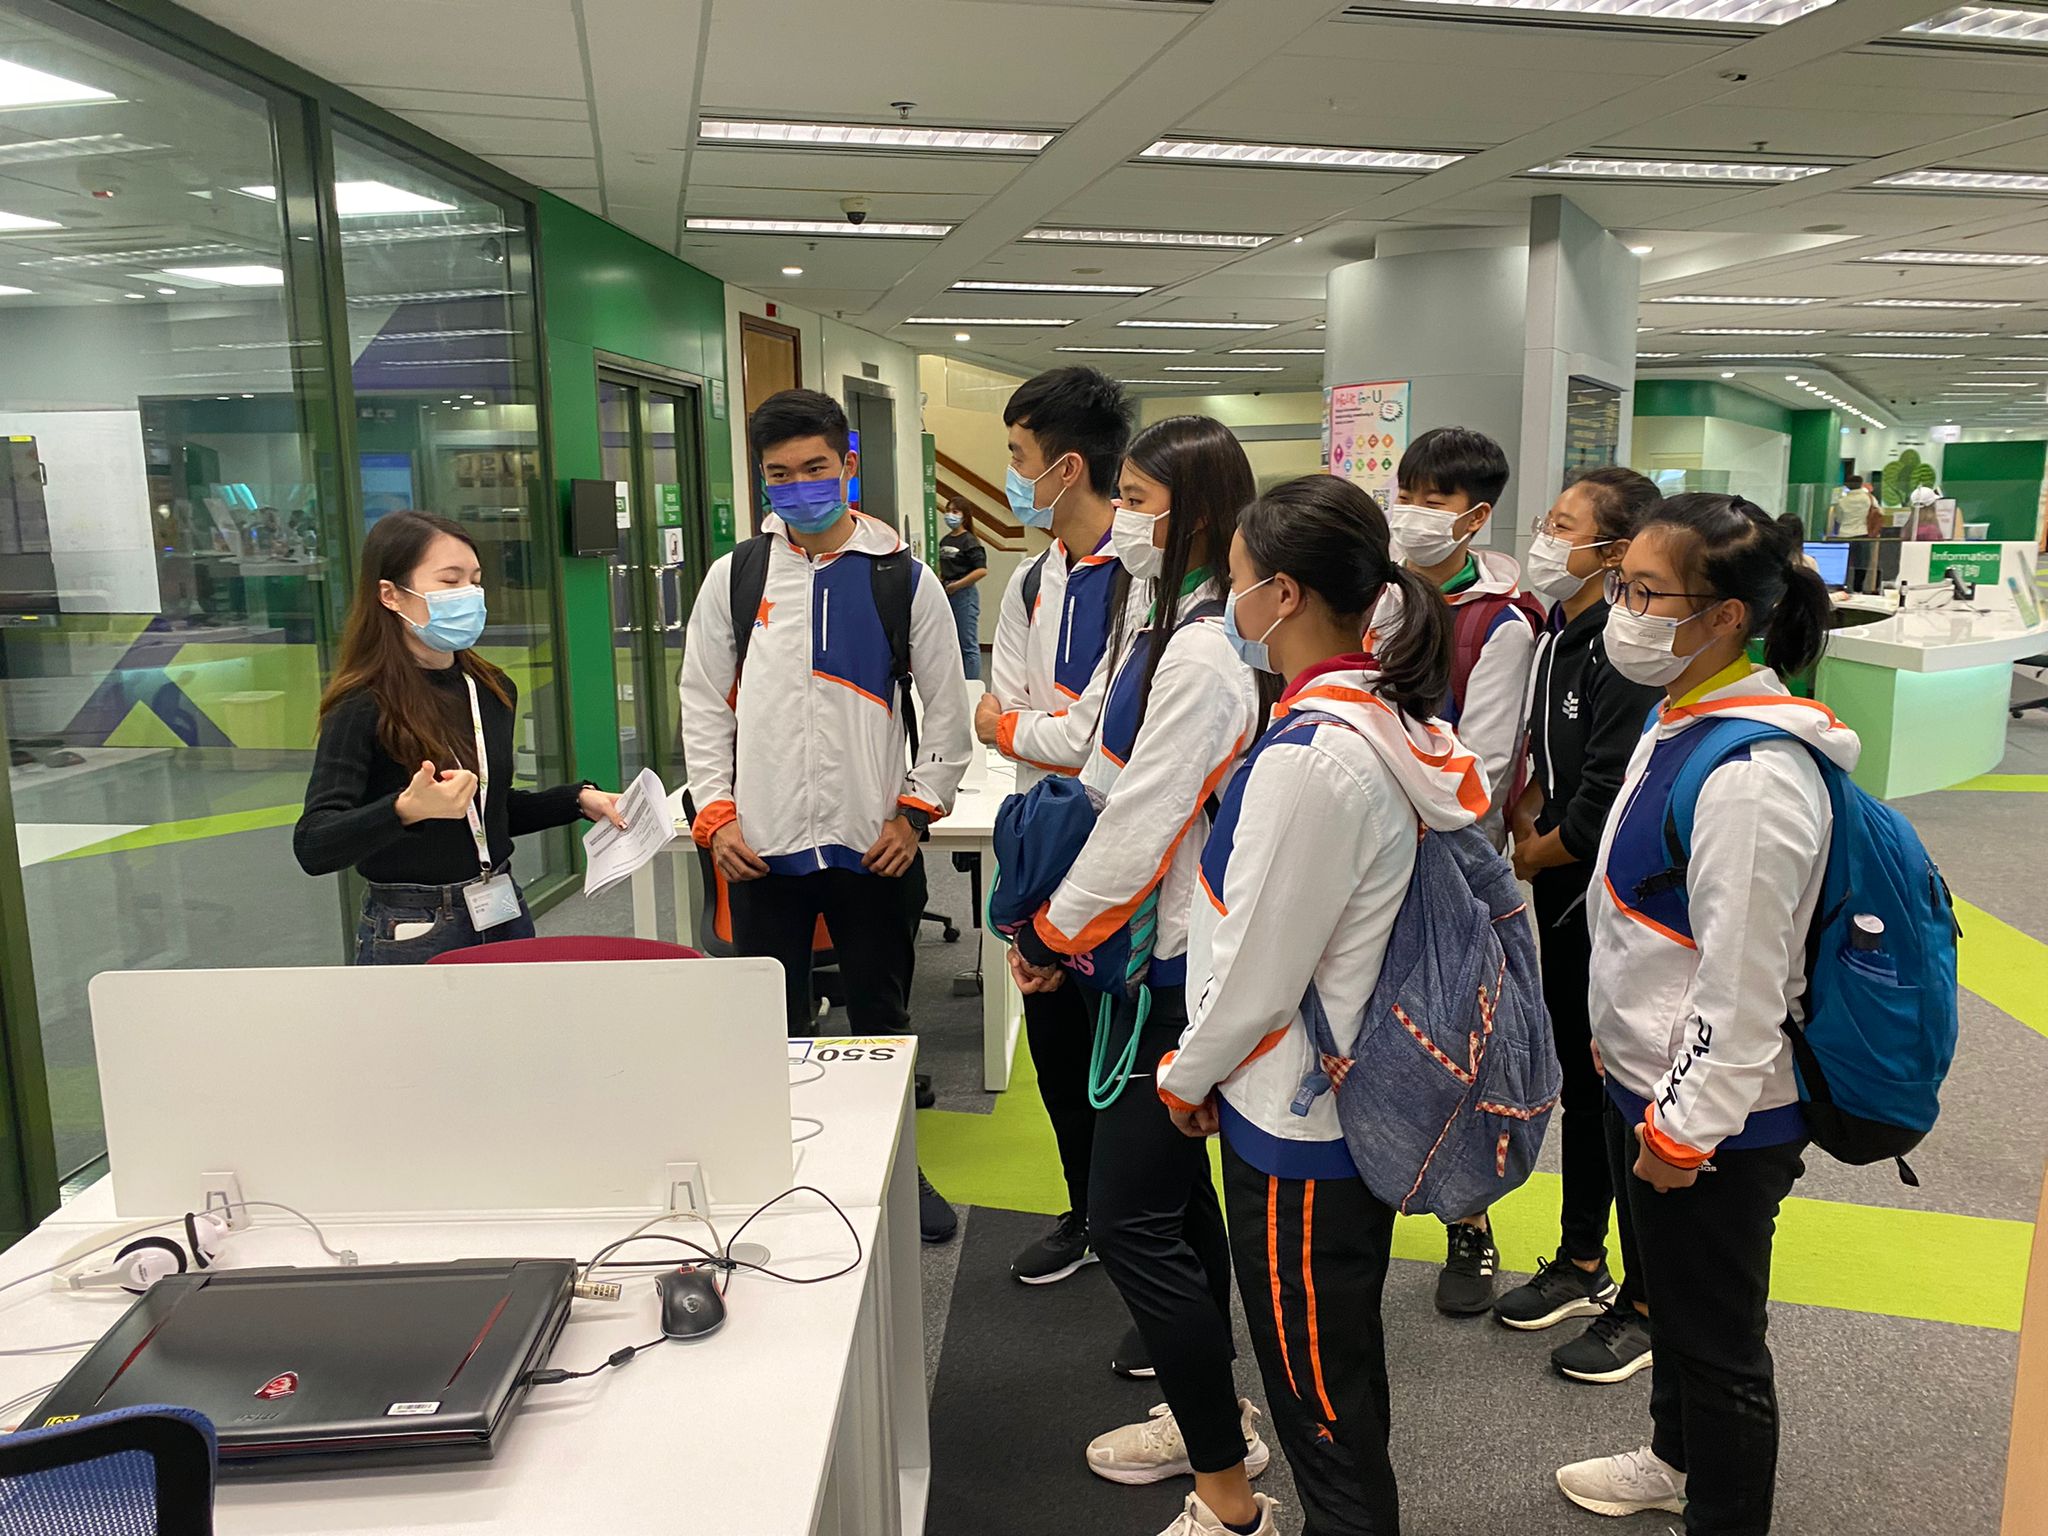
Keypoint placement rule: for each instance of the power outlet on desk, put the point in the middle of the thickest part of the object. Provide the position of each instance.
(688, 1195)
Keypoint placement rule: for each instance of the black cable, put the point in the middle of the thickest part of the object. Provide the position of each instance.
(617, 1358)
(852, 1231)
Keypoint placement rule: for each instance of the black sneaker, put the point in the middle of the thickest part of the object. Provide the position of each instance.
(926, 1098)
(935, 1219)
(1132, 1360)
(1615, 1345)
(1057, 1254)
(1464, 1288)
(1559, 1289)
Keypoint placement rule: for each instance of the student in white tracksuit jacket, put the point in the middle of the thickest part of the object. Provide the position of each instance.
(1181, 710)
(1691, 983)
(1302, 878)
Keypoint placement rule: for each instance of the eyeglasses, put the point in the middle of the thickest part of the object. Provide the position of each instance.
(1636, 596)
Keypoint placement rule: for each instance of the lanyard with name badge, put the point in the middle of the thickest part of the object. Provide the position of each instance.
(492, 899)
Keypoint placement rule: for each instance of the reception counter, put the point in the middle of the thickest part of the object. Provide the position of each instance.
(1928, 689)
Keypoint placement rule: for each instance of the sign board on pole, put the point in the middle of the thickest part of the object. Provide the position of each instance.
(1368, 425)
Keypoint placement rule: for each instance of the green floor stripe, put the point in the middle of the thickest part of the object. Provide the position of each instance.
(2005, 967)
(2009, 783)
(192, 830)
(1857, 1258)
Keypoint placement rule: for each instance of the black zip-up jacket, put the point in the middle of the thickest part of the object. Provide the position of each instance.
(1584, 721)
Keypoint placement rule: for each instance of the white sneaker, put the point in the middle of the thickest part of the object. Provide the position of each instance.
(1197, 1519)
(1153, 1450)
(1624, 1485)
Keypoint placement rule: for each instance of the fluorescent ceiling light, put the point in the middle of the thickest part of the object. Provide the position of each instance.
(14, 221)
(1912, 357)
(1131, 289)
(243, 276)
(1934, 303)
(1161, 237)
(1987, 23)
(1725, 298)
(1196, 325)
(1923, 335)
(2027, 336)
(1654, 357)
(1170, 381)
(980, 320)
(1276, 351)
(21, 86)
(7, 293)
(1956, 259)
(1676, 170)
(433, 295)
(77, 146)
(1130, 351)
(1966, 181)
(1966, 384)
(2007, 371)
(1750, 357)
(2018, 357)
(1746, 330)
(984, 141)
(818, 227)
(1224, 368)
(1751, 13)
(1312, 156)
(362, 199)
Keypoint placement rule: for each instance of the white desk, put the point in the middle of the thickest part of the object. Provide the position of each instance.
(804, 1413)
(970, 828)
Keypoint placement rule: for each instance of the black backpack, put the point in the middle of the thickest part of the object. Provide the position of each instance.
(891, 577)
(1034, 578)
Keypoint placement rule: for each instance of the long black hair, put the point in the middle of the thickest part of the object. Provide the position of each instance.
(1331, 537)
(1735, 549)
(1208, 482)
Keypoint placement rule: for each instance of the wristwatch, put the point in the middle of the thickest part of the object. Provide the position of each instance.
(920, 821)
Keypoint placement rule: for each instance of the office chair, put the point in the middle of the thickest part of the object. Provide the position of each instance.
(567, 947)
(133, 1472)
(2034, 684)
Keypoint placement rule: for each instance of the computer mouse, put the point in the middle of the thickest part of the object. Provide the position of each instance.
(690, 1304)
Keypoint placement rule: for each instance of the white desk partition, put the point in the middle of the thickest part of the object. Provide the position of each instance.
(445, 1088)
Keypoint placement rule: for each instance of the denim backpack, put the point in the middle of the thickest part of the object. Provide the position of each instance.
(1880, 1009)
(1449, 1087)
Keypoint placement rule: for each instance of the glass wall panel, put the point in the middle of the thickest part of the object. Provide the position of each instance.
(164, 557)
(445, 355)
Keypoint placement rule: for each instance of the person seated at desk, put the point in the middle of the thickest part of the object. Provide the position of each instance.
(416, 741)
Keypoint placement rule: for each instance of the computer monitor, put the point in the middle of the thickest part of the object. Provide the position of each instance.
(1833, 561)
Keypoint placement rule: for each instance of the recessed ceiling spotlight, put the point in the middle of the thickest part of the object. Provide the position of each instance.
(134, 295)
(1727, 373)
(962, 336)
(792, 271)
(167, 291)
(1299, 238)
(1641, 250)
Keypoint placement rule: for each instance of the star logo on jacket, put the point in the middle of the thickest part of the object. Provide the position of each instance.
(761, 614)
(1571, 706)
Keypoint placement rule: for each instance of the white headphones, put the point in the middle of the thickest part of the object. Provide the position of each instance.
(140, 1263)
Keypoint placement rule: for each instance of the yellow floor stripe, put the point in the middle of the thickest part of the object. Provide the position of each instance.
(2008, 783)
(2005, 967)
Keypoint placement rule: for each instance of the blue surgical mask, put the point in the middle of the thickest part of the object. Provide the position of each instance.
(1022, 491)
(455, 618)
(1252, 653)
(809, 506)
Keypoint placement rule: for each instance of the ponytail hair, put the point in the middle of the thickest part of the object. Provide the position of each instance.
(1331, 538)
(1733, 548)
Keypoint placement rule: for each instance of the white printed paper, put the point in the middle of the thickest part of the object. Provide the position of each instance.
(650, 827)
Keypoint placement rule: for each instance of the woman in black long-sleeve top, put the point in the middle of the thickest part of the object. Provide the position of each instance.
(412, 777)
(1584, 721)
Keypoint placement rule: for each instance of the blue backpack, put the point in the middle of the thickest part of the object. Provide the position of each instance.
(1881, 1022)
(1450, 1085)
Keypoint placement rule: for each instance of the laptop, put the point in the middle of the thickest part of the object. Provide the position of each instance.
(314, 1369)
(1833, 562)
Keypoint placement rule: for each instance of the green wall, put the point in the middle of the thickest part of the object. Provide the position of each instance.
(603, 290)
(1997, 483)
(1816, 457)
(1706, 397)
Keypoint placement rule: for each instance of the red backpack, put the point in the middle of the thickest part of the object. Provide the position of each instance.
(1471, 624)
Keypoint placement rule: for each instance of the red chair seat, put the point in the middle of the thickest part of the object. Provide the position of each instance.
(514, 951)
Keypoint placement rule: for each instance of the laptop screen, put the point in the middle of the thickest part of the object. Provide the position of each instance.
(1833, 560)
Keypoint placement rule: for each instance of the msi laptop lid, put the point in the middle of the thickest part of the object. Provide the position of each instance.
(302, 1368)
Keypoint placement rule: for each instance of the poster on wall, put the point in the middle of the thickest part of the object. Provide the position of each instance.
(1368, 426)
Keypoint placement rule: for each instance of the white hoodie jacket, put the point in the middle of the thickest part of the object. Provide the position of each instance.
(1302, 879)
(1050, 668)
(1688, 1000)
(1202, 716)
(807, 750)
(1492, 718)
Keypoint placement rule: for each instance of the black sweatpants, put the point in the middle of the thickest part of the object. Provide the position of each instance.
(873, 923)
(1565, 944)
(1706, 1253)
(1060, 1028)
(1311, 1260)
(1157, 1226)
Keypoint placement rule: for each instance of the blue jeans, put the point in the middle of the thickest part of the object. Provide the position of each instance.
(388, 908)
(967, 620)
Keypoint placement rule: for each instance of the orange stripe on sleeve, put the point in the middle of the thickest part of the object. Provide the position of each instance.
(1273, 1267)
(912, 803)
(1676, 1153)
(1006, 733)
(1760, 700)
(711, 820)
(1308, 1277)
(1171, 1101)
